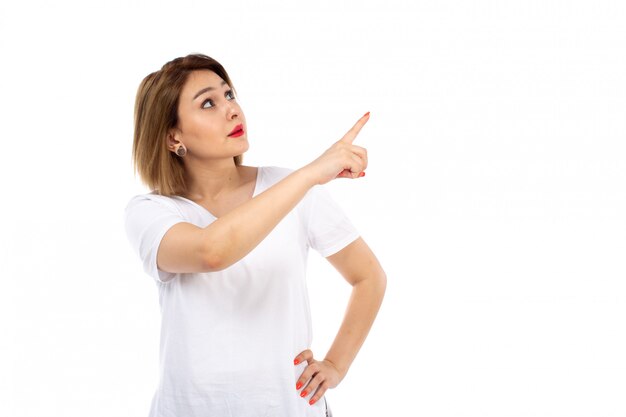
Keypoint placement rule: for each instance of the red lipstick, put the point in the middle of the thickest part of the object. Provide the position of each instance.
(237, 131)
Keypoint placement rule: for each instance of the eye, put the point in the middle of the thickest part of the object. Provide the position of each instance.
(229, 93)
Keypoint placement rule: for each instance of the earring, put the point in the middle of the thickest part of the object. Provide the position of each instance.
(181, 150)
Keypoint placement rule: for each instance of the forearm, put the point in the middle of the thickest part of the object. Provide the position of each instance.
(234, 235)
(365, 301)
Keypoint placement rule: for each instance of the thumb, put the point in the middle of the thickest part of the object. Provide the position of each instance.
(346, 173)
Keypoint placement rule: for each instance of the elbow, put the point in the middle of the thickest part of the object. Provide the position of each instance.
(376, 284)
(219, 247)
(382, 280)
(217, 260)
(212, 261)
(213, 251)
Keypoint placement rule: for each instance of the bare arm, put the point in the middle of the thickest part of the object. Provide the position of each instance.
(361, 269)
(234, 235)
(359, 266)
(188, 248)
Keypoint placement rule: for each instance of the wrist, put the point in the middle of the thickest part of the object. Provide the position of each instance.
(341, 370)
(307, 176)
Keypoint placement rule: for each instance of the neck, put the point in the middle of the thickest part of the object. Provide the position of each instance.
(212, 179)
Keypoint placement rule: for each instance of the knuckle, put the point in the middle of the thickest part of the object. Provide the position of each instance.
(321, 390)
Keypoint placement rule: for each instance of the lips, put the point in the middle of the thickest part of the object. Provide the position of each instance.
(237, 131)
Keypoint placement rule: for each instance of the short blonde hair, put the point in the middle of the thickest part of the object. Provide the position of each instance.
(156, 112)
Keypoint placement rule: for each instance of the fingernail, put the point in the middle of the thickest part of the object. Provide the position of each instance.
(299, 385)
(303, 394)
(362, 174)
(366, 114)
(296, 361)
(311, 402)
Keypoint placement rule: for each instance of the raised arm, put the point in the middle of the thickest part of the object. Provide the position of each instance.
(188, 248)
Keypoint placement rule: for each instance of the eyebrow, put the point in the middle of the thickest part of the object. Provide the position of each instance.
(204, 90)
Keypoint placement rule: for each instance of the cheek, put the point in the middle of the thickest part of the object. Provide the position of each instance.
(203, 124)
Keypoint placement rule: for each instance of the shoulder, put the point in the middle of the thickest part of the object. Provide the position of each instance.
(273, 174)
(151, 200)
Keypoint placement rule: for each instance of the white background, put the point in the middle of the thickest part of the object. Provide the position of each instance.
(494, 199)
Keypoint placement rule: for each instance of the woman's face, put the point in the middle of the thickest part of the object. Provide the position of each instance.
(207, 113)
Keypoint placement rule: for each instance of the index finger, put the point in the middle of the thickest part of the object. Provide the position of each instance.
(306, 355)
(349, 137)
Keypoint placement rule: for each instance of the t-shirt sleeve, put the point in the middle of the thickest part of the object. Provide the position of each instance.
(146, 221)
(329, 230)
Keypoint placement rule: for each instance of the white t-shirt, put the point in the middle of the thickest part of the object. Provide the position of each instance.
(228, 338)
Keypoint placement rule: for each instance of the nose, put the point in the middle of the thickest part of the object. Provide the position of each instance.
(232, 110)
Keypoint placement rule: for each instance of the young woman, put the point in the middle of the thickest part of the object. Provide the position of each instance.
(227, 246)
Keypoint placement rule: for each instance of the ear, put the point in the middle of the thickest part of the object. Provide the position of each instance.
(174, 137)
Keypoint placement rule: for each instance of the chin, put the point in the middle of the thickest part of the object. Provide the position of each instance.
(246, 144)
